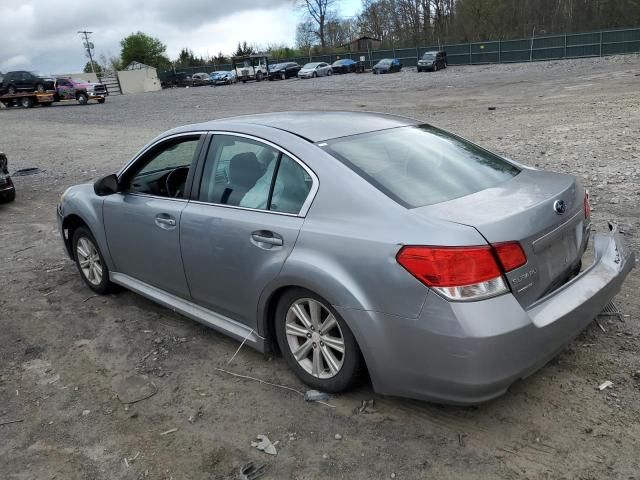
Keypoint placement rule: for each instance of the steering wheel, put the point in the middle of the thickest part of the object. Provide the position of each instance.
(175, 180)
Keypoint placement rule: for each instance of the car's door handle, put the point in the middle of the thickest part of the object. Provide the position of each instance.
(165, 221)
(265, 236)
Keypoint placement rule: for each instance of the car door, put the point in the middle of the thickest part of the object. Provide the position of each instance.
(23, 82)
(242, 222)
(142, 220)
(65, 89)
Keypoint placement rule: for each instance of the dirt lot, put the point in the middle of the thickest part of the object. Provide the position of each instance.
(68, 359)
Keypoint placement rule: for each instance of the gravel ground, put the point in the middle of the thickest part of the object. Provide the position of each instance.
(69, 360)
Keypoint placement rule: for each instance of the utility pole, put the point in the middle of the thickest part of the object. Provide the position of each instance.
(88, 46)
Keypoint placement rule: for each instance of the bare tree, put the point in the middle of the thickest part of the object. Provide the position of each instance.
(319, 12)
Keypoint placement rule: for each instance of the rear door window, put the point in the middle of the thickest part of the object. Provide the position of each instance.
(247, 173)
(421, 165)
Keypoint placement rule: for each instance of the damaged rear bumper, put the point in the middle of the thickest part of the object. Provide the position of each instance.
(471, 352)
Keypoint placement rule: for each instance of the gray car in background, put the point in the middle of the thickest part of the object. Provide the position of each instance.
(353, 242)
(316, 69)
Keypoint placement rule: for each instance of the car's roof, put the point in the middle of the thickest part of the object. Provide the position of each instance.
(314, 126)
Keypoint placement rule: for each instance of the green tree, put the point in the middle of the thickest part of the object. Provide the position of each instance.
(96, 67)
(140, 47)
(244, 49)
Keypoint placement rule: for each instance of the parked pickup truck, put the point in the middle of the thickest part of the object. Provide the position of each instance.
(68, 88)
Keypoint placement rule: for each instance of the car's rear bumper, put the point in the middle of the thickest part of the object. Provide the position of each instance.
(471, 352)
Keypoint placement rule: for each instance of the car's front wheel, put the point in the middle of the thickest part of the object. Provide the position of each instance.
(316, 342)
(82, 98)
(90, 261)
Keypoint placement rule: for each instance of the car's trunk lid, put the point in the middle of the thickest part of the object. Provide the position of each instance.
(525, 209)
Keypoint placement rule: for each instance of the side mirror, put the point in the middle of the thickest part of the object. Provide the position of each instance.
(106, 185)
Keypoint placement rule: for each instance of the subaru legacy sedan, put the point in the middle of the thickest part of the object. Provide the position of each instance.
(353, 243)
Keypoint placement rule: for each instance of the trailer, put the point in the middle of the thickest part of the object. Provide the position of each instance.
(28, 99)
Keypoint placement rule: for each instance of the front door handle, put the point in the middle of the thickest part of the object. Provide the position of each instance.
(165, 221)
(267, 237)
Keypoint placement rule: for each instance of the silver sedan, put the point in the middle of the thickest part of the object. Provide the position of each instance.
(353, 242)
(313, 70)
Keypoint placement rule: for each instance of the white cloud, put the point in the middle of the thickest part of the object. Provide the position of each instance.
(38, 36)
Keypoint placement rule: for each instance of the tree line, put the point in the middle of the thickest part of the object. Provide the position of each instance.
(400, 23)
(427, 22)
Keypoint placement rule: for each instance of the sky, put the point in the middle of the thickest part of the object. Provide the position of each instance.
(37, 37)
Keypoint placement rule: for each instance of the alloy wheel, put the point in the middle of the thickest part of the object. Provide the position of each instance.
(89, 261)
(315, 338)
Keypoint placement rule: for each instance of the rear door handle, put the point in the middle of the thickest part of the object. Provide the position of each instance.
(265, 236)
(165, 221)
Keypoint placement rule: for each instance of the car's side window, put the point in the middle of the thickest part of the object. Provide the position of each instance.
(291, 188)
(234, 167)
(163, 171)
(242, 172)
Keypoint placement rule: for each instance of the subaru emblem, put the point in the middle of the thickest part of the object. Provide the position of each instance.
(560, 207)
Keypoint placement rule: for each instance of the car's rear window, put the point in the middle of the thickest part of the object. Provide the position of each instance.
(421, 165)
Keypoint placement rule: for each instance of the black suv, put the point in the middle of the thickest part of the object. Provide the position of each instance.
(283, 70)
(23, 81)
(433, 61)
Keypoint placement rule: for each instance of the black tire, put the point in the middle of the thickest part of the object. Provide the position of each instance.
(435, 67)
(283, 76)
(26, 102)
(329, 72)
(104, 286)
(11, 90)
(315, 75)
(352, 362)
(101, 100)
(259, 77)
(7, 197)
(419, 70)
(82, 98)
(39, 88)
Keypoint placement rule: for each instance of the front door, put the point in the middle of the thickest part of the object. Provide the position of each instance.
(244, 223)
(142, 221)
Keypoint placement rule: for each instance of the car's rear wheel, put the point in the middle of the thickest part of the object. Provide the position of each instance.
(283, 76)
(435, 67)
(259, 77)
(316, 342)
(40, 88)
(329, 72)
(90, 262)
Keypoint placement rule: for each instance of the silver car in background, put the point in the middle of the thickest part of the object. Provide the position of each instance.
(316, 69)
(353, 242)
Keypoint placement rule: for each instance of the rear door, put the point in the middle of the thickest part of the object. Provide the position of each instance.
(242, 223)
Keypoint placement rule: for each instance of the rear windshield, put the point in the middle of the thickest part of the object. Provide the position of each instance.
(421, 165)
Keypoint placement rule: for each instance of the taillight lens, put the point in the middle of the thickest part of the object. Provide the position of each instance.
(587, 205)
(463, 273)
(510, 254)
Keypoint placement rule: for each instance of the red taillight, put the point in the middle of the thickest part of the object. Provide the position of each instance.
(587, 205)
(510, 254)
(450, 266)
(463, 273)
